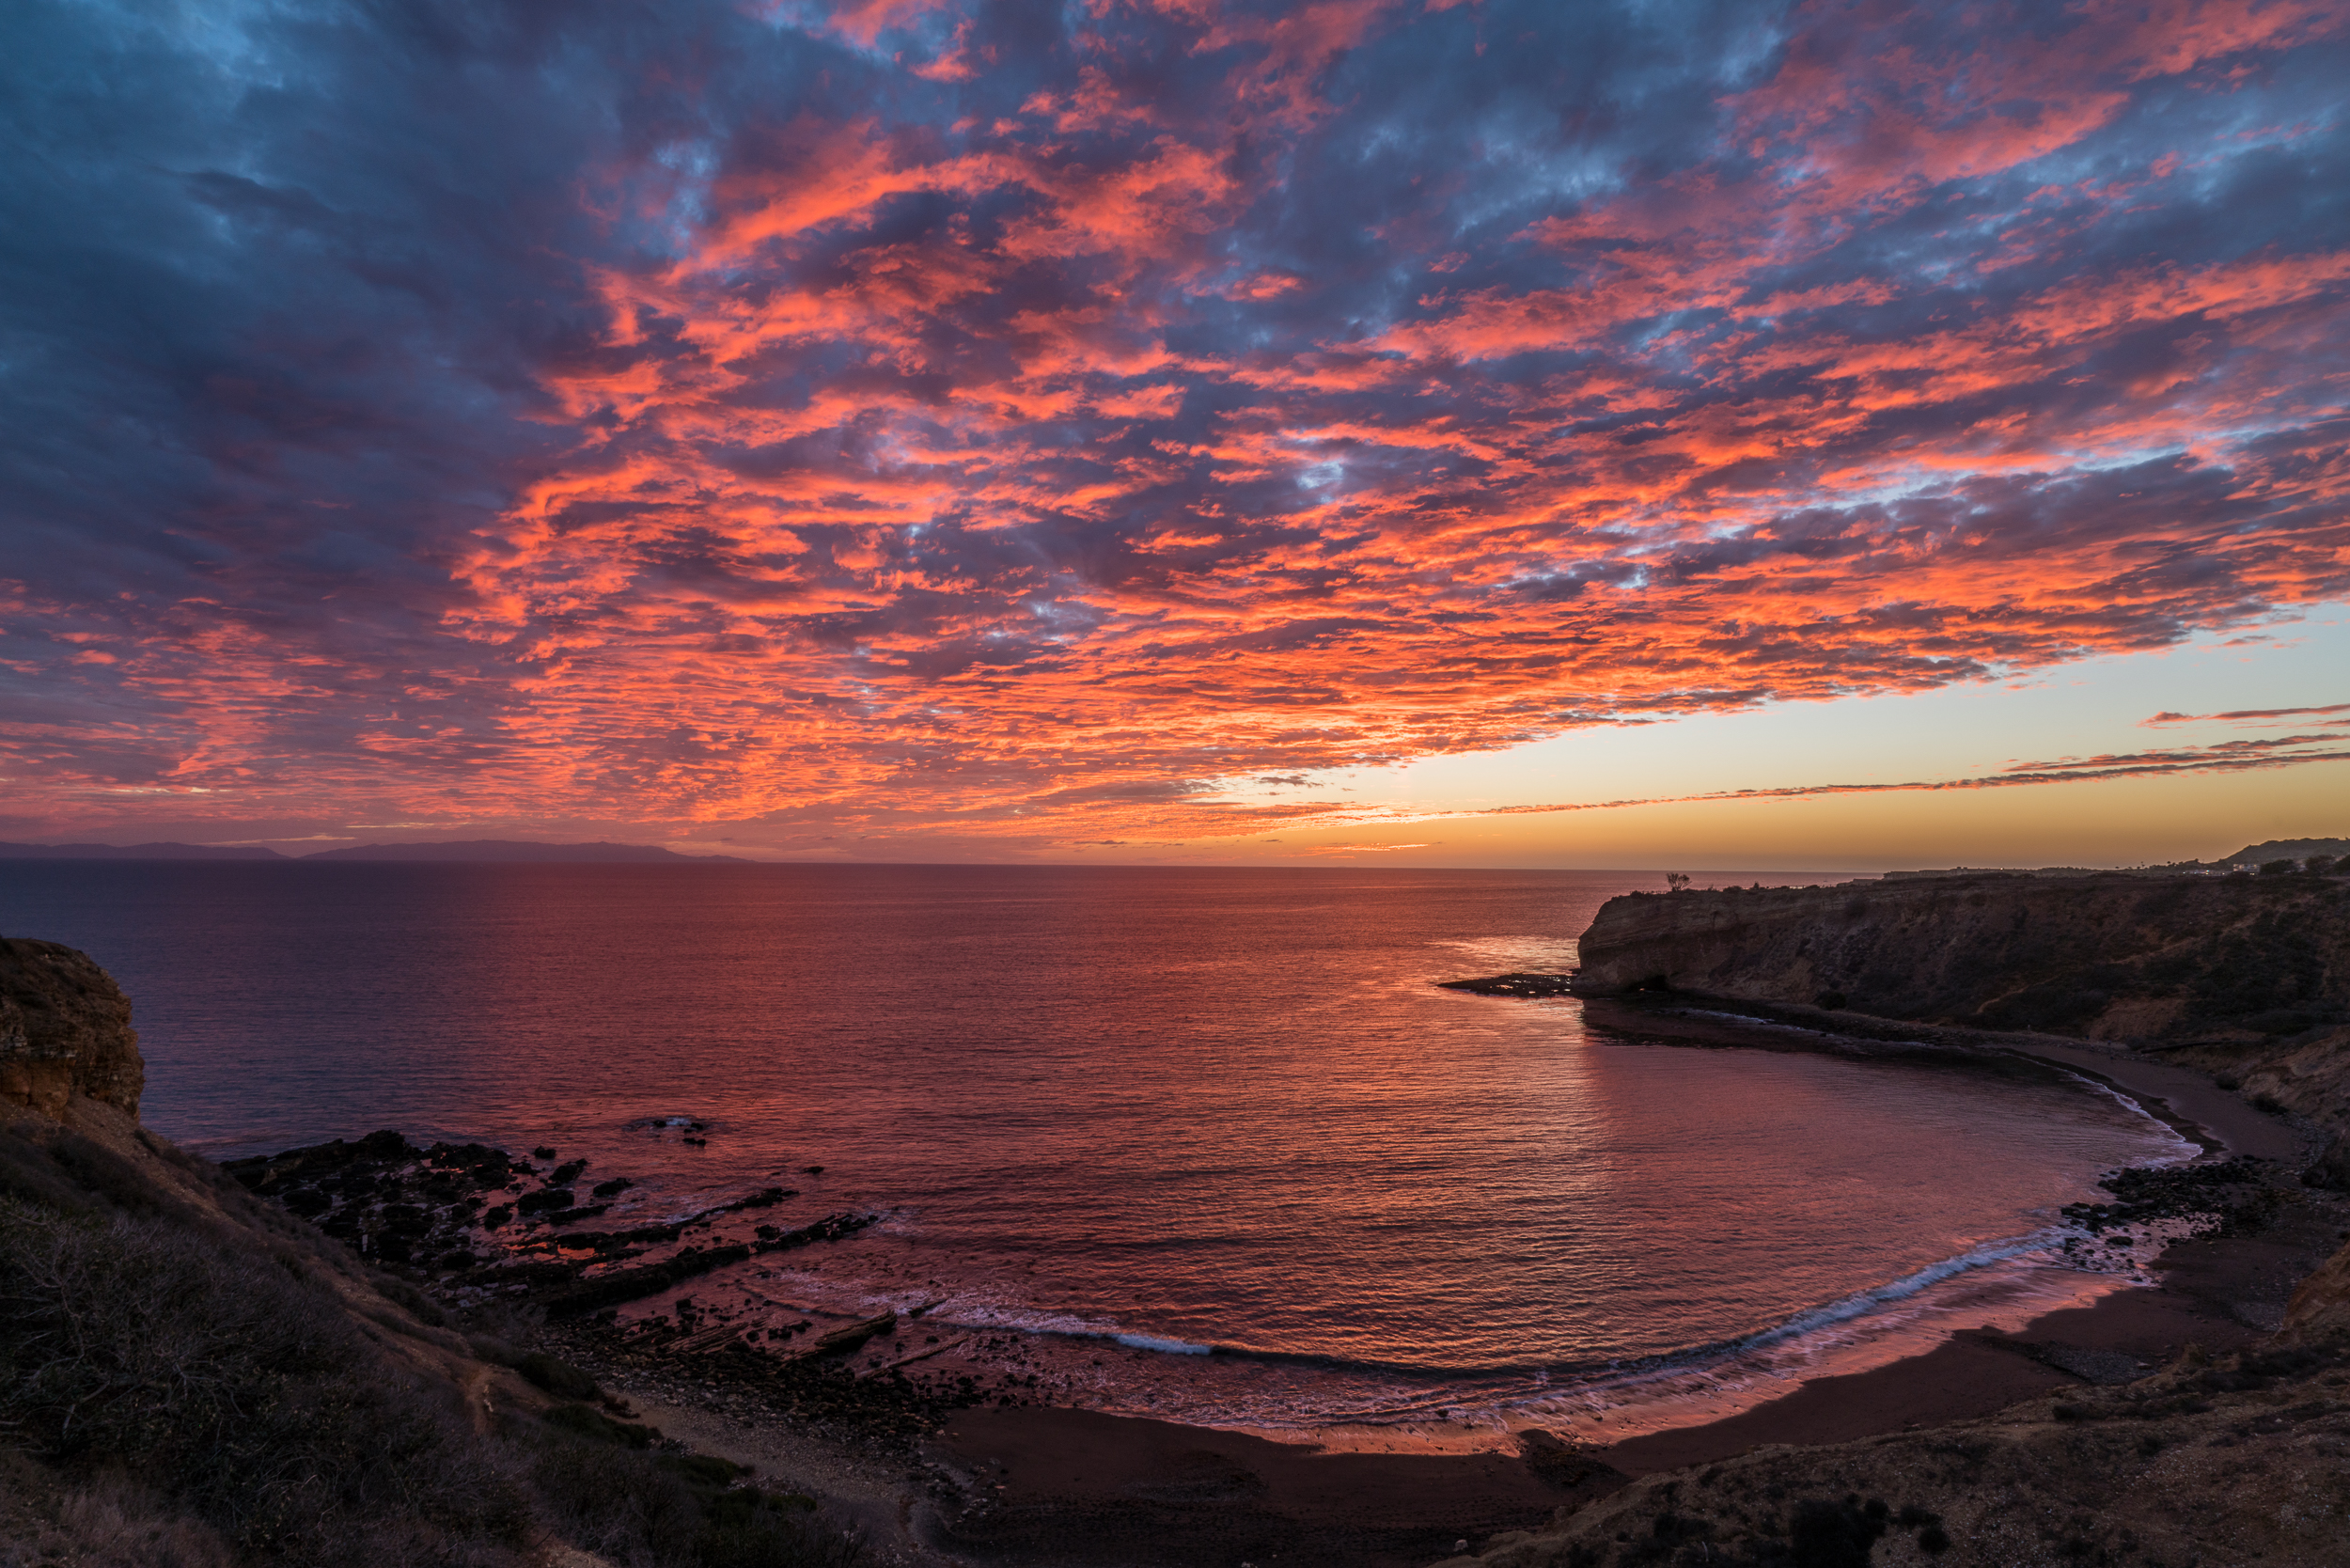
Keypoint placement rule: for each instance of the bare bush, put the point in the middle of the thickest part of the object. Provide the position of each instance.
(646, 1511)
(262, 1426)
(102, 1521)
(246, 1396)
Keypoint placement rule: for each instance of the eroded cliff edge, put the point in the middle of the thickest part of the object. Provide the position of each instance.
(2176, 961)
(65, 1029)
(2241, 976)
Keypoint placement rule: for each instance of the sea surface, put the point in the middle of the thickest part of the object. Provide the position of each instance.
(1206, 1144)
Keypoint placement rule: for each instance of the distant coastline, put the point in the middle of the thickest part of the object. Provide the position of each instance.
(465, 851)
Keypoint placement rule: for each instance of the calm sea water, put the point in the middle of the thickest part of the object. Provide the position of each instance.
(1125, 1115)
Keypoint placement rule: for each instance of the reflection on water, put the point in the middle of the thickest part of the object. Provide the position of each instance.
(1188, 1108)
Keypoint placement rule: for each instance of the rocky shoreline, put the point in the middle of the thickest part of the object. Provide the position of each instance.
(552, 1312)
(498, 1242)
(955, 1471)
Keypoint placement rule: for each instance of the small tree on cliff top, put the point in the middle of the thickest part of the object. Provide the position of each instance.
(1676, 880)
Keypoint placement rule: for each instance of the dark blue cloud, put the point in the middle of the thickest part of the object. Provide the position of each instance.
(667, 411)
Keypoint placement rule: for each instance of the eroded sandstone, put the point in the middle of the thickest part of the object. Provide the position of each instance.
(65, 1029)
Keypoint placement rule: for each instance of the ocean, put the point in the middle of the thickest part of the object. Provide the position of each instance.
(1203, 1144)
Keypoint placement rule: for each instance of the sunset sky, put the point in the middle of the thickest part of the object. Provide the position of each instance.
(1436, 432)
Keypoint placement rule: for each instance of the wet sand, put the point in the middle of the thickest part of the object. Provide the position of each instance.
(1071, 1487)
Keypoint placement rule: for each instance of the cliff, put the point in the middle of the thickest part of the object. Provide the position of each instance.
(2200, 961)
(65, 1029)
(2247, 978)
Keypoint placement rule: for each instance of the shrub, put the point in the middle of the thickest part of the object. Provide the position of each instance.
(420, 1306)
(1836, 1535)
(678, 1512)
(102, 1521)
(246, 1396)
(586, 1420)
(559, 1378)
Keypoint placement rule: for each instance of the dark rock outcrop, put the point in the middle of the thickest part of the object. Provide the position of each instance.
(65, 1029)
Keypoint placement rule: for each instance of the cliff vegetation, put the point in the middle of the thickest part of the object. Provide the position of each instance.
(193, 1378)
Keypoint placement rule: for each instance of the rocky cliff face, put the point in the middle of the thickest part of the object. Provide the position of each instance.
(65, 1029)
(2175, 961)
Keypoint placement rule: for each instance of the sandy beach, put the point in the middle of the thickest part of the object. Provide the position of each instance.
(1058, 1488)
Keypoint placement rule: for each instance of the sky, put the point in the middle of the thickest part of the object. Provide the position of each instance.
(1606, 434)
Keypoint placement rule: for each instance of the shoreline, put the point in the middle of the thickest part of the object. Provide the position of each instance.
(1047, 1486)
(2196, 1107)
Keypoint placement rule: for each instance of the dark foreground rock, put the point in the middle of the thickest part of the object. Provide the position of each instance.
(1516, 983)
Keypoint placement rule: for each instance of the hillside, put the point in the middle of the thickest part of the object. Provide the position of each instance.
(190, 1378)
(2289, 849)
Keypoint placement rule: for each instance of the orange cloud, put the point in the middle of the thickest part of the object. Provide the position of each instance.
(1021, 437)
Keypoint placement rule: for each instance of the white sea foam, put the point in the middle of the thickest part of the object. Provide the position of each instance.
(1166, 1347)
(1863, 1303)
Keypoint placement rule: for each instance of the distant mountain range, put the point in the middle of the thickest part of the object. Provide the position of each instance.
(132, 851)
(2251, 855)
(513, 849)
(476, 850)
(2289, 849)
